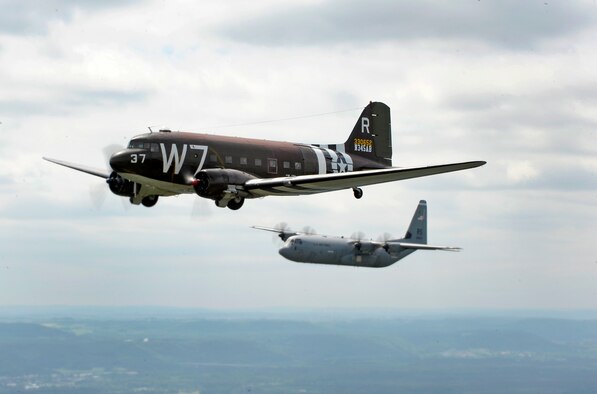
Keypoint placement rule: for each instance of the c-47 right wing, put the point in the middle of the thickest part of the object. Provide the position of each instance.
(320, 183)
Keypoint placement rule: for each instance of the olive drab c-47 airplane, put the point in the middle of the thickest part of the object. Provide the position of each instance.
(229, 170)
(354, 251)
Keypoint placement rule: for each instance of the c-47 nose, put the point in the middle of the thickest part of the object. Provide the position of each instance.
(119, 161)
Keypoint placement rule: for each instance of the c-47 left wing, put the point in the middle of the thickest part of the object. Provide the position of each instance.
(88, 170)
(311, 184)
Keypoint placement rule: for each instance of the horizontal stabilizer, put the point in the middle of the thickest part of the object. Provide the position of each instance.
(88, 170)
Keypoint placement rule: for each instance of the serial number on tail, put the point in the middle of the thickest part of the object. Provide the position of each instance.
(363, 145)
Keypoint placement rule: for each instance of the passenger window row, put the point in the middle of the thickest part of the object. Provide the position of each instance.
(153, 147)
(243, 161)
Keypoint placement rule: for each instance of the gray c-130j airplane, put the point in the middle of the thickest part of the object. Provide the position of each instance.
(229, 170)
(354, 251)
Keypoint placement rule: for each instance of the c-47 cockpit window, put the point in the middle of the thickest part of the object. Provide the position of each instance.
(155, 148)
(135, 145)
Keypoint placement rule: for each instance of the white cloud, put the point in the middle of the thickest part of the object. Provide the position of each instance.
(521, 171)
(507, 24)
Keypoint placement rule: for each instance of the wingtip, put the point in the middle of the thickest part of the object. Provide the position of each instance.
(55, 161)
(474, 164)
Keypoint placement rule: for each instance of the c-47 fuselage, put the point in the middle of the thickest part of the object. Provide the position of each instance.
(170, 159)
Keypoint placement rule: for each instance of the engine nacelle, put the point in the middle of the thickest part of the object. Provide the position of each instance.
(393, 249)
(212, 183)
(377, 258)
(120, 186)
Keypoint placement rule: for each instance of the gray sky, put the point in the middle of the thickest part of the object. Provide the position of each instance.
(509, 82)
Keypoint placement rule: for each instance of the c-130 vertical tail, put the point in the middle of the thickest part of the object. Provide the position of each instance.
(417, 230)
(371, 137)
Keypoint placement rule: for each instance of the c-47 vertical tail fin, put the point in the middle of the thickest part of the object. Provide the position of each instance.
(371, 137)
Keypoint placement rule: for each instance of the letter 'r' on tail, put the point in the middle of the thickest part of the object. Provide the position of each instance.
(371, 137)
(417, 231)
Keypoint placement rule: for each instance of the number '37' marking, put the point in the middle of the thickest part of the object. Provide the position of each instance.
(135, 158)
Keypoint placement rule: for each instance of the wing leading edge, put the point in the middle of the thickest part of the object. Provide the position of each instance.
(88, 170)
(284, 235)
(311, 184)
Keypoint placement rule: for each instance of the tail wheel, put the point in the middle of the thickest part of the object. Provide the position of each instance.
(236, 203)
(358, 192)
(149, 201)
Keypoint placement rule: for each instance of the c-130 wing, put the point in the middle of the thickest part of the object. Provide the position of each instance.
(319, 183)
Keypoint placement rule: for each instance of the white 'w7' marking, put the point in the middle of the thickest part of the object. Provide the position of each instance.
(204, 149)
(178, 160)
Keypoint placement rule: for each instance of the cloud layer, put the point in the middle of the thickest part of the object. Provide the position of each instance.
(508, 82)
(506, 24)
